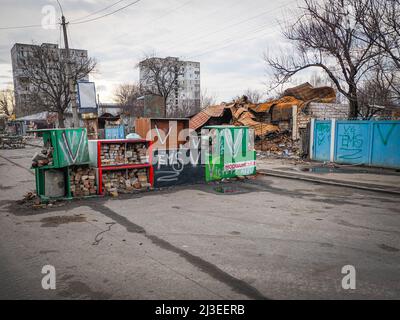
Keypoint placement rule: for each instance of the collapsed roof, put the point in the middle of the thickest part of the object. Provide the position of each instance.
(243, 113)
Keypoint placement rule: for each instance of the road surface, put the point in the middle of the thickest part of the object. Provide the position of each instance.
(267, 238)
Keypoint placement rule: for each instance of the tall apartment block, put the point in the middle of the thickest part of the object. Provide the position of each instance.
(20, 53)
(184, 99)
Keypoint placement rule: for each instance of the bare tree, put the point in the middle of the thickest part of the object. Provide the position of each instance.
(381, 25)
(46, 73)
(7, 102)
(159, 76)
(126, 93)
(375, 93)
(254, 96)
(207, 99)
(329, 36)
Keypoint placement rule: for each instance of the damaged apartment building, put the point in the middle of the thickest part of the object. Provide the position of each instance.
(184, 99)
(23, 88)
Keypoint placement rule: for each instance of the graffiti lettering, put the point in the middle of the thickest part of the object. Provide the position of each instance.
(323, 133)
(351, 142)
(385, 139)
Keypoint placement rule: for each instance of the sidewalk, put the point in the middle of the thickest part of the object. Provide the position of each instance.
(366, 178)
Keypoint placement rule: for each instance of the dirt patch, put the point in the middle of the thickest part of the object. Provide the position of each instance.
(388, 248)
(235, 233)
(57, 220)
(5, 187)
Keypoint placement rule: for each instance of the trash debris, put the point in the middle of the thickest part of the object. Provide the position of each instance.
(278, 144)
(31, 200)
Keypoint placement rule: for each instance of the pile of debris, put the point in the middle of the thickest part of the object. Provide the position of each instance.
(45, 157)
(125, 181)
(278, 144)
(31, 200)
(82, 181)
(8, 141)
(263, 117)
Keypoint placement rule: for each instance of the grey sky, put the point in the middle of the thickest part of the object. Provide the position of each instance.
(228, 37)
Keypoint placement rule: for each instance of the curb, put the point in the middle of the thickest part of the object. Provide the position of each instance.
(280, 174)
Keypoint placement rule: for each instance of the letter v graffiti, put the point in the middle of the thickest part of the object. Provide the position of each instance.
(66, 147)
(385, 139)
(233, 144)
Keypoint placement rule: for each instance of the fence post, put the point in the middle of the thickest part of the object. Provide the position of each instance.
(312, 126)
(333, 140)
(371, 139)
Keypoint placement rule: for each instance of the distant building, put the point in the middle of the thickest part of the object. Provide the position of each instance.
(185, 97)
(22, 88)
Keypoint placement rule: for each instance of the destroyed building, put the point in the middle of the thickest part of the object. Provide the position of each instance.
(284, 119)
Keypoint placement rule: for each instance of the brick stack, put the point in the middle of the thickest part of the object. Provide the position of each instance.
(136, 153)
(125, 181)
(118, 154)
(112, 154)
(82, 181)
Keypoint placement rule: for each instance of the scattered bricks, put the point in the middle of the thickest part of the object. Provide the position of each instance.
(82, 181)
(45, 157)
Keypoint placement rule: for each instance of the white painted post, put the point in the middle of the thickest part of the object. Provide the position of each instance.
(333, 130)
(295, 125)
(311, 151)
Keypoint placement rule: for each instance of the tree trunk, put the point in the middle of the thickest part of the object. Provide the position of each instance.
(165, 107)
(353, 111)
(61, 119)
(353, 101)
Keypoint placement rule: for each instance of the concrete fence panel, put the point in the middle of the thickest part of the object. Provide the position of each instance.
(374, 143)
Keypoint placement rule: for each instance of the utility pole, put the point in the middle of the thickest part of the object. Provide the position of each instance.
(69, 75)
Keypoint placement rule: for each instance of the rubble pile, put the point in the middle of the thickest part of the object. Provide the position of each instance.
(45, 157)
(280, 144)
(125, 181)
(82, 181)
(119, 154)
(31, 200)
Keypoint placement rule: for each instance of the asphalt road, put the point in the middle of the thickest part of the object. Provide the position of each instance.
(267, 238)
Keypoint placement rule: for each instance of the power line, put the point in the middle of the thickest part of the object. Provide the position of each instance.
(23, 27)
(166, 40)
(149, 22)
(98, 11)
(208, 34)
(107, 14)
(75, 21)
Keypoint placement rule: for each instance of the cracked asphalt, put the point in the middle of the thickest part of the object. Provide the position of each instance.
(266, 238)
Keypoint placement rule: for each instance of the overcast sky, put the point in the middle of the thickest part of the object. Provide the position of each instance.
(227, 37)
